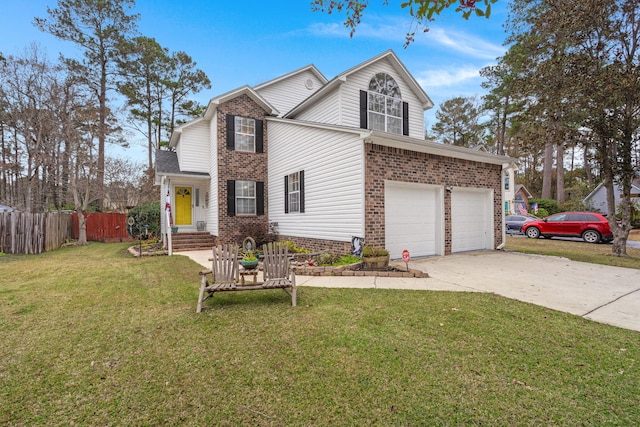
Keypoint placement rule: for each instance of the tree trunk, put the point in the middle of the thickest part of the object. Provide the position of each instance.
(547, 170)
(619, 247)
(587, 165)
(82, 227)
(560, 197)
(503, 126)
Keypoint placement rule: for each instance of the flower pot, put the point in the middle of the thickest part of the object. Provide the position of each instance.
(174, 230)
(249, 265)
(376, 263)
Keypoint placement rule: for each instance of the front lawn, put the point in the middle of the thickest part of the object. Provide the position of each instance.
(574, 250)
(93, 336)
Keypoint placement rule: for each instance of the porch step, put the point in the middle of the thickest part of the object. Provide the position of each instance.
(193, 241)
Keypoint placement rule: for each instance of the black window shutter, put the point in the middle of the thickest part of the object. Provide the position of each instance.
(405, 118)
(286, 194)
(301, 191)
(260, 198)
(231, 198)
(231, 131)
(363, 109)
(259, 136)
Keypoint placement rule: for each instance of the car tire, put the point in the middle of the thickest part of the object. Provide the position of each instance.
(591, 236)
(532, 233)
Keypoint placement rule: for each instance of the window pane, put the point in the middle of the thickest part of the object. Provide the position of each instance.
(245, 134)
(385, 104)
(245, 142)
(294, 182)
(245, 189)
(376, 103)
(294, 202)
(394, 107)
(376, 121)
(394, 125)
(245, 197)
(245, 206)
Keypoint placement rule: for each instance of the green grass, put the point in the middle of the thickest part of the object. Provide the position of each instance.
(92, 336)
(574, 250)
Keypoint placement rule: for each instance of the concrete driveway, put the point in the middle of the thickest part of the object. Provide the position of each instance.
(604, 294)
(601, 293)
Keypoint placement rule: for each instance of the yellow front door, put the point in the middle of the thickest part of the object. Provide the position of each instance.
(183, 205)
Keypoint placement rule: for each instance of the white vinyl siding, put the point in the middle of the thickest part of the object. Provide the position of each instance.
(211, 199)
(289, 92)
(333, 179)
(325, 110)
(193, 151)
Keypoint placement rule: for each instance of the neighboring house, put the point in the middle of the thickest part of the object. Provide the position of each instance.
(521, 199)
(331, 160)
(597, 199)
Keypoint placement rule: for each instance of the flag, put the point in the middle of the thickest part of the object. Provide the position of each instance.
(522, 209)
(535, 207)
(167, 207)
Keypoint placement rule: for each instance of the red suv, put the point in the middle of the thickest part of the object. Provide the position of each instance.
(592, 227)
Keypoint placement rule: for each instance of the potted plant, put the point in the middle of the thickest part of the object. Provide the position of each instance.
(375, 258)
(249, 260)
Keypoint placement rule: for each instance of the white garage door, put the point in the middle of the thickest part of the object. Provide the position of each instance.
(471, 220)
(412, 219)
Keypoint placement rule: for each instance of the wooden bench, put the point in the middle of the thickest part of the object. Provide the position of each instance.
(224, 275)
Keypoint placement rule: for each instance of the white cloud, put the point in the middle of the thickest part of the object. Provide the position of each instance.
(394, 29)
(462, 42)
(328, 30)
(447, 77)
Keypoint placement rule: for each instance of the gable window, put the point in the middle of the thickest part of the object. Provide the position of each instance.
(244, 134)
(382, 107)
(294, 192)
(245, 198)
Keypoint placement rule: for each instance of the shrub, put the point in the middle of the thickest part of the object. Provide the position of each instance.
(336, 260)
(549, 205)
(371, 251)
(146, 220)
(542, 213)
(294, 249)
(260, 233)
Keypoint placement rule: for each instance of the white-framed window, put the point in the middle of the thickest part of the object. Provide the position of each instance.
(384, 104)
(245, 134)
(294, 192)
(245, 198)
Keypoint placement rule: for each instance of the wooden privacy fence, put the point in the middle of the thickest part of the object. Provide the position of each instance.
(103, 227)
(33, 233)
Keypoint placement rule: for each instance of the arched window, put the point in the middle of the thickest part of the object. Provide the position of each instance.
(384, 104)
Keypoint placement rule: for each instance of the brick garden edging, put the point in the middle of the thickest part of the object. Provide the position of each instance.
(353, 270)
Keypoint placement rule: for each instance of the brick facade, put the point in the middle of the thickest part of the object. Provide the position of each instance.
(238, 165)
(387, 163)
(319, 245)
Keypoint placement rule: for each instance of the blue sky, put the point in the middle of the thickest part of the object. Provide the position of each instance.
(250, 42)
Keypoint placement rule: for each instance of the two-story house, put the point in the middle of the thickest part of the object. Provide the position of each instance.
(332, 160)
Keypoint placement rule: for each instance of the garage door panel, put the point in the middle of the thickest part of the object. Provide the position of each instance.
(410, 219)
(470, 220)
